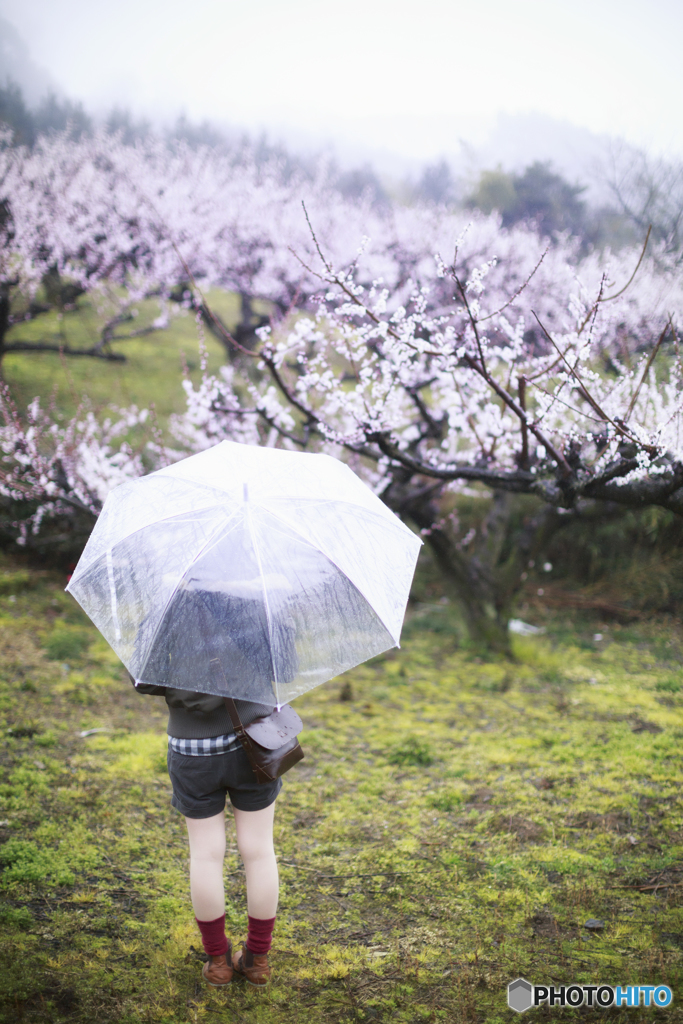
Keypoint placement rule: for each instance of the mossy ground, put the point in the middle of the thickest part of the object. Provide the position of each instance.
(454, 824)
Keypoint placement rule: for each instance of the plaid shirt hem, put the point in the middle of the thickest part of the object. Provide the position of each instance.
(202, 748)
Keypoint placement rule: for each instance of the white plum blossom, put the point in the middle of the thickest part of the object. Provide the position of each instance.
(52, 469)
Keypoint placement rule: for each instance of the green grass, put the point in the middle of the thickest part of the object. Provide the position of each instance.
(454, 824)
(153, 371)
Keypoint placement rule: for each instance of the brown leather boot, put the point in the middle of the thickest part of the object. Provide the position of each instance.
(253, 967)
(218, 970)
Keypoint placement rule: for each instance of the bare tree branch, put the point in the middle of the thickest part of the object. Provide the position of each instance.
(518, 292)
(608, 298)
(96, 352)
(649, 363)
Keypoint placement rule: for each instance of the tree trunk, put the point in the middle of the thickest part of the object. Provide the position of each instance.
(484, 575)
(250, 321)
(470, 582)
(5, 306)
(244, 331)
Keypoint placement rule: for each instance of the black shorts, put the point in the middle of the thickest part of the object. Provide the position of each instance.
(201, 782)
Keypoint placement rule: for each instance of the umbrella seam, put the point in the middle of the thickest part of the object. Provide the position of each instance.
(391, 516)
(266, 603)
(112, 595)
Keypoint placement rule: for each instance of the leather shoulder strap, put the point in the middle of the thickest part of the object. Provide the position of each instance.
(235, 716)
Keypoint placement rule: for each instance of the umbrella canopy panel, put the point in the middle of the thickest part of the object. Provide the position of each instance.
(127, 589)
(376, 552)
(132, 506)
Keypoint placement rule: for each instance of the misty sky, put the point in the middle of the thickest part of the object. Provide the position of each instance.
(406, 77)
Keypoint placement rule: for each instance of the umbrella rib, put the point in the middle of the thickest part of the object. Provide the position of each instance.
(112, 596)
(187, 568)
(257, 553)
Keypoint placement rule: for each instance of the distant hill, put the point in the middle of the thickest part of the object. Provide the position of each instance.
(518, 140)
(16, 65)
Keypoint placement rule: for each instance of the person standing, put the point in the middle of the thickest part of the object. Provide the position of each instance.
(206, 764)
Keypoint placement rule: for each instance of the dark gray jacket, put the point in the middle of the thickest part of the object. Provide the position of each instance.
(196, 716)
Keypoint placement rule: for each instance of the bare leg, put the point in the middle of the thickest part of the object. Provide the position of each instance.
(207, 851)
(255, 843)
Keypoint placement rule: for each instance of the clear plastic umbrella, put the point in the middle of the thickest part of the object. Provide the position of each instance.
(248, 572)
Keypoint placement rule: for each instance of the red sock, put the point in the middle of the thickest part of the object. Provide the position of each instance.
(260, 934)
(213, 936)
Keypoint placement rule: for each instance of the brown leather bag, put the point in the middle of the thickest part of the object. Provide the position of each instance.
(270, 742)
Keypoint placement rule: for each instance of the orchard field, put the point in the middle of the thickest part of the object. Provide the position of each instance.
(480, 812)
